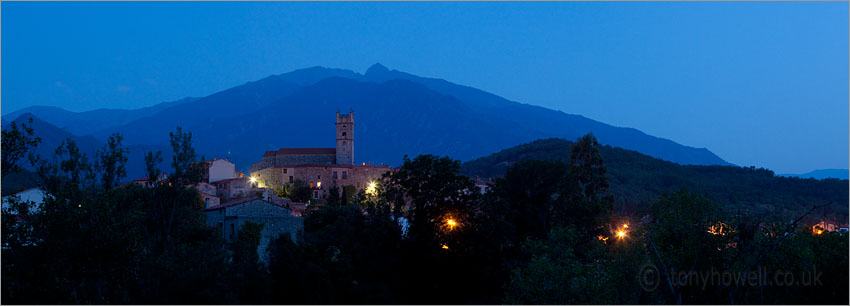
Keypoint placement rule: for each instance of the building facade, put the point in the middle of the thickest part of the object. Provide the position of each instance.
(277, 220)
(318, 168)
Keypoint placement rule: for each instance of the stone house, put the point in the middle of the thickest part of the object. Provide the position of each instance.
(231, 216)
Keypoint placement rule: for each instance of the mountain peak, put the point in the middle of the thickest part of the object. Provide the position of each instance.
(377, 69)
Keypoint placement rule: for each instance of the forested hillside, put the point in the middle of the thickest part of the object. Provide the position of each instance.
(637, 180)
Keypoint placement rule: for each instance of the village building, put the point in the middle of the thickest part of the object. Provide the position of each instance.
(318, 168)
(276, 219)
(35, 195)
(829, 226)
(238, 187)
(218, 169)
(147, 183)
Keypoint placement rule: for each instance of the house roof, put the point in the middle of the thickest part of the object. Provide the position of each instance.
(332, 166)
(228, 180)
(233, 202)
(239, 201)
(286, 151)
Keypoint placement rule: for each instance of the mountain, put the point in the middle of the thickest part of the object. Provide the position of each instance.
(52, 136)
(823, 174)
(396, 114)
(636, 180)
(204, 114)
(85, 123)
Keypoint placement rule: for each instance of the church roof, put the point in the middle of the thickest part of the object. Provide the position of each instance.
(286, 151)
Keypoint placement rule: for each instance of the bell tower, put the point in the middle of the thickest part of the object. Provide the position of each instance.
(345, 138)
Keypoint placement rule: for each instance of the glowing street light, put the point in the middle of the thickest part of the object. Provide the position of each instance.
(451, 223)
(370, 189)
(253, 180)
(621, 234)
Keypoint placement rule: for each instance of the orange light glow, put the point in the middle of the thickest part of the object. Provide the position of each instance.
(625, 225)
(445, 247)
(451, 223)
(621, 234)
(370, 189)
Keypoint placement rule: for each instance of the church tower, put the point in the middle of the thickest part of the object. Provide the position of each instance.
(345, 138)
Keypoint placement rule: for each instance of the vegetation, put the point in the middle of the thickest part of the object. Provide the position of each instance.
(637, 180)
(547, 233)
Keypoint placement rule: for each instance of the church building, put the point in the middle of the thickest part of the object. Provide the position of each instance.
(319, 168)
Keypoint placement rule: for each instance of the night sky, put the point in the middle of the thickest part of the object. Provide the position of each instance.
(762, 84)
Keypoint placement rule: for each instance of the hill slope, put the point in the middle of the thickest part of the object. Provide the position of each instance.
(823, 173)
(637, 180)
(85, 123)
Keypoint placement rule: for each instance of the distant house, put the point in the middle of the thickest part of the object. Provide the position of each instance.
(146, 182)
(210, 200)
(218, 169)
(828, 226)
(239, 187)
(483, 185)
(35, 195)
(231, 216)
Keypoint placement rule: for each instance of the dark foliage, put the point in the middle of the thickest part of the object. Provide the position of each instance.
(545, 234)
(636, 180)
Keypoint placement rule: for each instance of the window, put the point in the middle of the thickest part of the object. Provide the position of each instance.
(232, 231)
(290, 179)
(343, 134)
(284, 170)
(316, 194)
(334, 175)
(311, 184)
(344, 174)
(319, 177)
(207, 202)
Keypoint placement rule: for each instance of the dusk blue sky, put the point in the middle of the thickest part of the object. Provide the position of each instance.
(762, 84)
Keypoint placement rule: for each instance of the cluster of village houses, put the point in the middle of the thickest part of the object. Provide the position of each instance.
(232, 198)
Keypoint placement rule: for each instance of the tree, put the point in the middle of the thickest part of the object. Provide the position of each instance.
(586, 206)
(333, 196)
(530, 192)
(16, 144)
(555, 275)
(111, 161)
(679, 238)
(151, 160)
(186, 169)
(435, 193)
(300, 192)
(247, 241)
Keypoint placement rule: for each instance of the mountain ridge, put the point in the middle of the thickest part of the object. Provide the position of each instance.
(498, 123)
